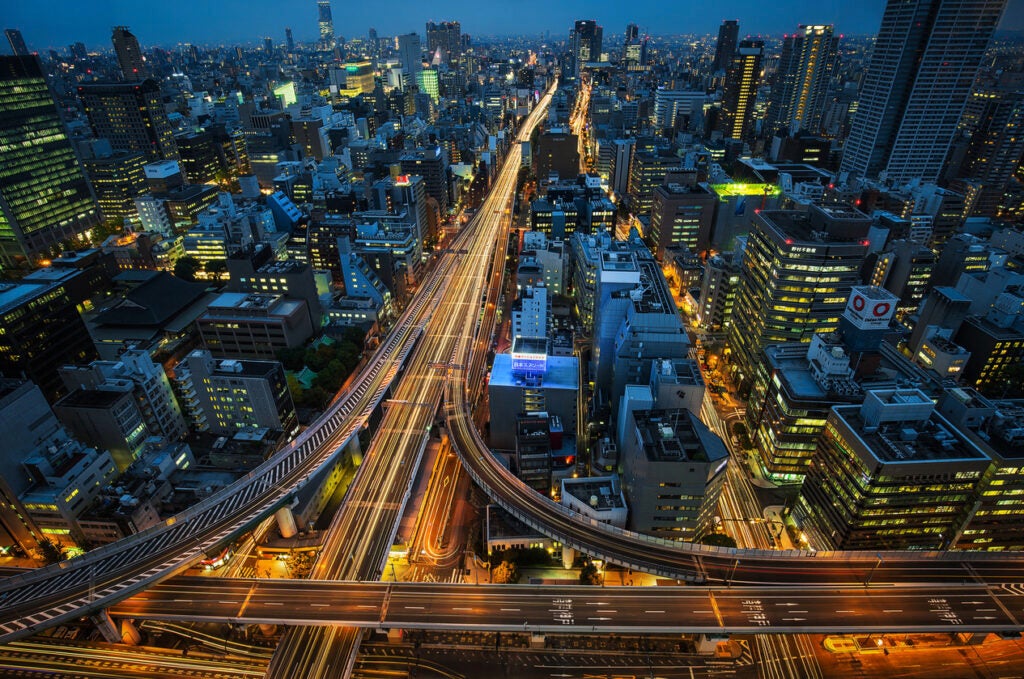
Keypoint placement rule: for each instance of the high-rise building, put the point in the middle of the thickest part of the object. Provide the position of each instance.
(681, 215)
(728, 36)
(741, 82)
(584, 45)
(922, 67)
(46, 198)
(17, 42)
(410, 53)
(997, 142)
(131, 117)
(797, 274)
(445, 39)
(129, 55)
(118, 179)
(325, 24)
(289, 40)
(42, 331)
(799, 95)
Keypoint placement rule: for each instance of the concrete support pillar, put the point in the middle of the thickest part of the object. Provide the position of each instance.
(355, 451)
(568, 556)
(538, 641)
(107, 627)
(286, 522)
(268, 630)
(130, 634)
(395, 636)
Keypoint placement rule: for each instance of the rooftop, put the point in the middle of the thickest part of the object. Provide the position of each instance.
(676, 435)
(919, 441)
(598, 492)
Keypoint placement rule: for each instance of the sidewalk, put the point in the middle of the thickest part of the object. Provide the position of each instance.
(777, 524)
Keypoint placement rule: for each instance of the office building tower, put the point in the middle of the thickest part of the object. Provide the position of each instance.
(996, 344)
(892, 473)
(289, 40)
(728, 36)
(584, 45)
(78, 51)
(632, 34)
(129, 55)
(17, 42)
(325, 24)
(444, 39)
(432, 165)
(742, 79)
(718, 292)
(118, 179)
(131, 116)
(46, 198)
(42, 331)
(226, 396)
(798, 271)
(107, 418)
(681, 216)
(254, 325)
(999, 430)
(410, 53)
(800, 92)
(922, 67)
(996, 143)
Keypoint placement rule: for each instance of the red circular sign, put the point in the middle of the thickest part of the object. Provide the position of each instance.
(881, 309)
(858, 303)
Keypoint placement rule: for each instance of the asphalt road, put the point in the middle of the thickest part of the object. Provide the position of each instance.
(734, 610)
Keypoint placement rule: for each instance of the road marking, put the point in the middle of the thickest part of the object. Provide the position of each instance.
(273, 603)
(794, 619)
(184, 601)
(509, 610)
(320, 605)
(227, 602)
(892, 610)
(846, 611)
(598, 618)
(415, 608)
(605, 611)
(454, 608)
(705, 612)
(654, 611)
(361, 606)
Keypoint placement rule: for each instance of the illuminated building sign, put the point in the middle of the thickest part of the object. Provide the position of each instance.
(529, 363)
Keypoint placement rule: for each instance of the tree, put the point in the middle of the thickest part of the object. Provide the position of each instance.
(505, 573)
(717, 540)
(589, 575)
(216, 268)
(186, 267)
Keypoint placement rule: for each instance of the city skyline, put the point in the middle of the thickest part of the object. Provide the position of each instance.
(233, 21)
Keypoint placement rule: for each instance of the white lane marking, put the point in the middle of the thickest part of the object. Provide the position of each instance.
(509, 610)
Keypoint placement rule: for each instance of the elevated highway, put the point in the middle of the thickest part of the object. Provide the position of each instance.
(566, 609)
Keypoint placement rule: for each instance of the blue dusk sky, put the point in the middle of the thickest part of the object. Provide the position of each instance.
(57, 23)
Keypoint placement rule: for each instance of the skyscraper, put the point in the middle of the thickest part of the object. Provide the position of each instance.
(410, 52)
(584, 44)
(806, 65)
(44, 196)
(325, 23)
(289, 41)
(728, 35)
(923, 64)
(131, 116)
(129, 54)
(18, 47)
(446, 37)
(997, 141)
(741, 82)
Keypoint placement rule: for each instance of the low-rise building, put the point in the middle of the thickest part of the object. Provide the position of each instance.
(254, 325)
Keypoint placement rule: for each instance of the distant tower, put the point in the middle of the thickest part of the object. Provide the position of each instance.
(410, 52)
(18, 47)
(741, 82)
(805, 69)
(326, 23)
(922, 67)
(728, 35)
(584, 44)
(289, 41)
(44, 196)
(632, 34)
(129, 54)
(445, 36)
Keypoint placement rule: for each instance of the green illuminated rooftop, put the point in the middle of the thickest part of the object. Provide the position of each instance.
(744, 189)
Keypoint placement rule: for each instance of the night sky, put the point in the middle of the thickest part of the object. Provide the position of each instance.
(57, 23)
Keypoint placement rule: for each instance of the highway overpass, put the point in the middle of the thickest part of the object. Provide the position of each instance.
(581, 609)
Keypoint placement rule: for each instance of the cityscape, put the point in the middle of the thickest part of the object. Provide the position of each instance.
(639, 343)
